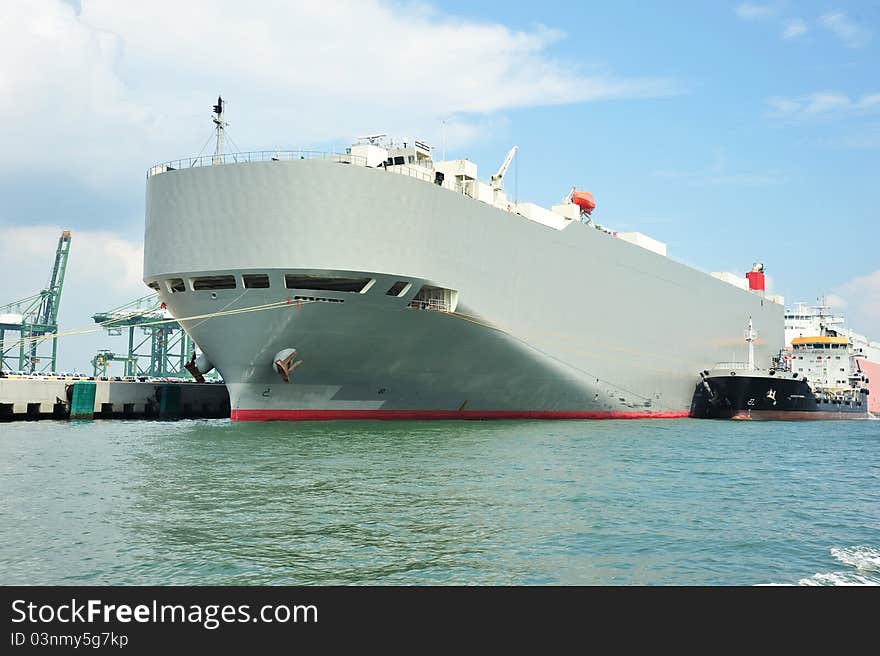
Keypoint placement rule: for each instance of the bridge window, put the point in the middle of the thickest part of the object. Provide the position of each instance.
(213, 282)
(256, 280)
(325, 283)
(399, 288)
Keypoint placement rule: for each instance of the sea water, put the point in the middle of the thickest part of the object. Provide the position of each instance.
(455, 502)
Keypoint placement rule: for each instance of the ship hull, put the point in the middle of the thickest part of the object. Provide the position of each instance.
(761, 397)
(375, 357)
(567, 324)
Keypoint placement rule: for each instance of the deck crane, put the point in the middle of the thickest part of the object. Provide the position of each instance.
(498, 178)
(36, 319)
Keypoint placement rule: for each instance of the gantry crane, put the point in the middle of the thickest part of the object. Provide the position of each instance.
(103, 358)
(170, 347)
(35, 319)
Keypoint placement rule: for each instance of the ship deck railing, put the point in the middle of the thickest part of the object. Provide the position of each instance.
(283, 156)
(255, 156)
(429, 304)
(733, 366)
(418, 172)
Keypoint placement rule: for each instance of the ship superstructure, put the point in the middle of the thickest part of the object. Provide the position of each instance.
(378, 283)
(804, 322)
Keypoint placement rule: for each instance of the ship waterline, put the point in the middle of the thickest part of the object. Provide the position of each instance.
(404, 299)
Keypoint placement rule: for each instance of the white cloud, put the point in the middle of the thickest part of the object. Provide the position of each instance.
(784, 106)
(29, 251)
(836, 302)
(869, 101)
(847, 31)
(104, 271)
(103, 93)
(823, 103)
(794, 28)
(861, 297)
(753, 11)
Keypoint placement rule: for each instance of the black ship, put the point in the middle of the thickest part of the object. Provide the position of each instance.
(755, 395)
(817, 379)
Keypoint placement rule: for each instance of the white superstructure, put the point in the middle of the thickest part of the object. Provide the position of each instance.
(802, 320)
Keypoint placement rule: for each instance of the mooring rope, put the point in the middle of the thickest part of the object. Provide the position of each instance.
(158, 322)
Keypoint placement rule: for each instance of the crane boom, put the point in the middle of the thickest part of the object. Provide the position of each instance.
(52, 299)
(498, 178)
(35, 318)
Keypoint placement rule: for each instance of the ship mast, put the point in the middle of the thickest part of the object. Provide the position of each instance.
(751, 335)
(822, 307)
(220, 126)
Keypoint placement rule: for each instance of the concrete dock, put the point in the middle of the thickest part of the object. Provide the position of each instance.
(46, 398)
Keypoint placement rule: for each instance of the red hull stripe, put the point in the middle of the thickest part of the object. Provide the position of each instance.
(330, 415)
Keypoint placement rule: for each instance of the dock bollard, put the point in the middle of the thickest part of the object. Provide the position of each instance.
(82, 403)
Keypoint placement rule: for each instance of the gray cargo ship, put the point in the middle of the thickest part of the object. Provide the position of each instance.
(380, 284)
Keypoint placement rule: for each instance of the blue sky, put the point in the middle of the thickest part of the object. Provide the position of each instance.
(734, 132)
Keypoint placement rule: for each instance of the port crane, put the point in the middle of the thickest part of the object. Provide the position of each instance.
(162, 352)
(103, 358)
(35, 319)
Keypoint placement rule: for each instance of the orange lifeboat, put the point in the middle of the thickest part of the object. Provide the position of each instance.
(584, 200)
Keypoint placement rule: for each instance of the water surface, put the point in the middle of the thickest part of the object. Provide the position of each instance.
(500, 502)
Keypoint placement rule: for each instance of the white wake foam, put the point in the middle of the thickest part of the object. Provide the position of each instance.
(838, 578)
(862, 557)
(865, 564)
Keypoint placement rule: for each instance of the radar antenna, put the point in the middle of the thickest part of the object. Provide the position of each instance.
(372, 139)
(220, 126)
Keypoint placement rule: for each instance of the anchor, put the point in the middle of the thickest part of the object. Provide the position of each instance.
(194, 370)
(284, 363)
(198, 367)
